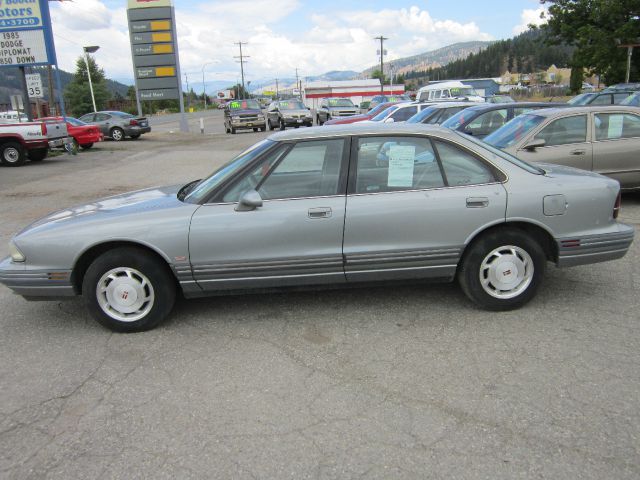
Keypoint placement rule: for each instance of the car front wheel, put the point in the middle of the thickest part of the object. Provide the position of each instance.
(502, 270)
(128, 290)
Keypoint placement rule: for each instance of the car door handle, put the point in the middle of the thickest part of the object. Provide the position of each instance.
(477, 202)
(321, 212)
(578, 152)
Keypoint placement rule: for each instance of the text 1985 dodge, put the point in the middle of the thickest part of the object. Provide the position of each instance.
(326, 206)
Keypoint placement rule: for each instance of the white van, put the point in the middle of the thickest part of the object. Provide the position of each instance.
(445, 91)
(12, 117)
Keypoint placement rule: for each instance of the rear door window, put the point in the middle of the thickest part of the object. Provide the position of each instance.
(604, 99)
(461, 167)
(565, 131)
(611, 126)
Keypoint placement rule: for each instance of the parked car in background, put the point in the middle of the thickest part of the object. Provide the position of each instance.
(118, 125)
(481, 120)
(446, 91)
(333, 108)
(13, 117)
(365, 106)
(399, 112)
(243, 115)
(288, 113)
(378, 99)
(83, 134)
(437, 113)
(632, 100)
(31, 140)
(612, 97)
(362, 117)
(603, 139)
(315, 207)
(627, 87)
(499, 99)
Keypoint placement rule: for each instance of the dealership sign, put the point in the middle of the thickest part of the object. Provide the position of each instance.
(25, 33)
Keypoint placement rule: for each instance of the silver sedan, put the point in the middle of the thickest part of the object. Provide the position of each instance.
(326, 206)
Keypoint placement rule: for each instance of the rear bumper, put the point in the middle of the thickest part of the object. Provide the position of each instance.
(133, 130)
(35, 283)
(595, 248)
(60, 142)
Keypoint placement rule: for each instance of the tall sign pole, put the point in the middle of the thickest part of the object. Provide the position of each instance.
(154, 48)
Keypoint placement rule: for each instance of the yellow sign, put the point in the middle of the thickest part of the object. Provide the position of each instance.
(160, 37)
(149, 3)
(164, 48)
(165, 72)
(160, 25)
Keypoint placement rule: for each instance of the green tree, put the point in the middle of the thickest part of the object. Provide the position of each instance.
(595, 28)
(376, 74)
(78, 93)
(575, 81)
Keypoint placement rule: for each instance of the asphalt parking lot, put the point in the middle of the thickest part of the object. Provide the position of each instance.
(396, 382)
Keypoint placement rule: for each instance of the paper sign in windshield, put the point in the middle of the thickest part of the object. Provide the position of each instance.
(615, 126)
(401, 162)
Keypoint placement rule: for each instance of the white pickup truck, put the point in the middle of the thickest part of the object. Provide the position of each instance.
(32, 140)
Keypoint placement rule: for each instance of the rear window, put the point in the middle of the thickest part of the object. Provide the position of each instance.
(122, 114)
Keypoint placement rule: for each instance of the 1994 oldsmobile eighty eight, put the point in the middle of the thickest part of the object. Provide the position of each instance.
(326, 206)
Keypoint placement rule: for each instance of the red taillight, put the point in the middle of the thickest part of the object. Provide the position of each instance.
(133, 122)
(616, 206)
(43, 128)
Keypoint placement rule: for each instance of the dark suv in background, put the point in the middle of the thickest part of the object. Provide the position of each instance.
(335, 107)
(243, 115)
(288, 113)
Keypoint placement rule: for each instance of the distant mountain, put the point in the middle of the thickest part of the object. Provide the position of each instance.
(432, 59)
(10, 83)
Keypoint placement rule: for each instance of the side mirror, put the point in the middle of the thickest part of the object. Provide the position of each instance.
(249, 201)
(389, 120)
(535, 143)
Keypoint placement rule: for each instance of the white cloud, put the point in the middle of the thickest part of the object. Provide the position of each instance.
(530, 17)
(207, 32)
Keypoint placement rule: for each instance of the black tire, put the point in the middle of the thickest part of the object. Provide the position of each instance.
(271, 127)
(282, 125)
(161, 285)
(262, 129)
(233, 131)
(135, 137)
(37, 154)
(86, 146)
(256, 129)
(117, 134)
(12, 154)
(510, 244)
(318, 121)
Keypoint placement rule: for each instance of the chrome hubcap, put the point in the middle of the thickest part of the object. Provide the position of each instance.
(506, 272)
(125, 294)
(11, 155)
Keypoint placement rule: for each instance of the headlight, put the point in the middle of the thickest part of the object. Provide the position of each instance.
(16, 255)
(235, 119)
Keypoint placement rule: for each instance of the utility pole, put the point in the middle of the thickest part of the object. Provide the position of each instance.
(186, 79)
(297, 82)
(382, 39)
(242, 61)
(277, 92)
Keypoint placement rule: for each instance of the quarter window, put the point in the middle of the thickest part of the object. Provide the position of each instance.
(388, 164)
(565, 131)
(403, 114)
(487, 122)
(462, 168)
(610, 126)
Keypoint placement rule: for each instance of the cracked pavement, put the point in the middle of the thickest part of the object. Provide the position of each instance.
(396, 382)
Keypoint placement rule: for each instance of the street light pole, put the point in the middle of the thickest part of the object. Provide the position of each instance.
(204, 89)
(87, 51)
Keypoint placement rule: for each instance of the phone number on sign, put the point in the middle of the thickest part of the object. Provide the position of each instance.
(20, 22)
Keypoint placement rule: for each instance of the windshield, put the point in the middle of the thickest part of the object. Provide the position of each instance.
(504, 155)
(74, 121)
(202, 189)
(244, 105)
(420, 116)
(514, 130)
(378, 108)
(384, 114)
(463, 92)
(340, 102)
(458, 119)
(633, 100)
(581, 99)
(292, 105)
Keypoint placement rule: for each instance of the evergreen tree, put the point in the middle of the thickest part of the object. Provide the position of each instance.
(78, 93)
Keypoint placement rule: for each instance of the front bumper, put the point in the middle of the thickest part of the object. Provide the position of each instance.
(35, 283)
(595, 248)
(292, 122)
(240, 124)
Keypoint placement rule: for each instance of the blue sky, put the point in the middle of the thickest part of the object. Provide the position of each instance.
(313, 36)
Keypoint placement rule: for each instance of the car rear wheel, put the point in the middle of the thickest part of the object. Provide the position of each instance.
(86, 146)
(12, 154)
(282, 125)
(128, 290)
(271, 127)
(117, 134)
(502, 270)
(37, 154)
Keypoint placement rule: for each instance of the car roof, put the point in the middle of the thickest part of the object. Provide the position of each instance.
(550, 112)
(454, 104)
(499, 106)
(373, 128)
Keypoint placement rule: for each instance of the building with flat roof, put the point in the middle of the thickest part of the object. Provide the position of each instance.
(355, 90)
